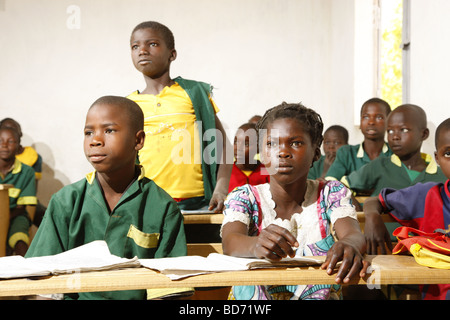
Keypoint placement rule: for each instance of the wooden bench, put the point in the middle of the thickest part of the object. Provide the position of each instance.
(207, 217)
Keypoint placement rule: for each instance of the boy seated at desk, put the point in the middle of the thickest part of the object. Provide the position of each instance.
(21, 195)
(116, 202)
(349, 158)
(424, 206)
(406, 131)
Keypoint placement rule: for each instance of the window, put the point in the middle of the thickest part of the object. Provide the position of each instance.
(391, 47)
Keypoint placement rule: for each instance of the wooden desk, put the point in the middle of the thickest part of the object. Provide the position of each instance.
(4, 216)
(207, 218)
(386, 269)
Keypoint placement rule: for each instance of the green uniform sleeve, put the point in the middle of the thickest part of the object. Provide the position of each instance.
(49, 239)
(363, 179)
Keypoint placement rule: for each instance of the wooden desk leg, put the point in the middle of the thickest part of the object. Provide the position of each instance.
(4, 220)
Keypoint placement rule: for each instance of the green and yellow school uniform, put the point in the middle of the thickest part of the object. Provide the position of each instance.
(391, 173)
(350, 158)
(145, 223)
(23, 193)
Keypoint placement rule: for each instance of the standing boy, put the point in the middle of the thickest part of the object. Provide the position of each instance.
(374, 113)
(180, 117)
(115, 203)
(424, 206)
(21, 195)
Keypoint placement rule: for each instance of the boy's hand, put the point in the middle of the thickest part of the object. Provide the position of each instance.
(376, 234)
(217, 202)
(353, 262)
(275, 243)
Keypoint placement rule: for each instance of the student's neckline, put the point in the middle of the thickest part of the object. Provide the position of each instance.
(159, 93)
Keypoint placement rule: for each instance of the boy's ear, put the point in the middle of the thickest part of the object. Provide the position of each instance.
(140, 139)
(425, 134)
(436, 158)
(173, 56)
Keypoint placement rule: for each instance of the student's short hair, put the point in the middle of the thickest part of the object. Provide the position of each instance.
(311, 119)
(378, 101)
(129, 108)
(165, 32)
(14, 131)
(421, 114)
(19, 128)
(444, 126)
(340, 129)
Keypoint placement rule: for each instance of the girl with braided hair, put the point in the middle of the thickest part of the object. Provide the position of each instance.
(291, 215)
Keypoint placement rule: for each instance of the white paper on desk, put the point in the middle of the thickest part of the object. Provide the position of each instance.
(180, 267)
(93, 256)
(200, 211)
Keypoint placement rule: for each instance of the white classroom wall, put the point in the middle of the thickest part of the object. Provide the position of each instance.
(59, 56)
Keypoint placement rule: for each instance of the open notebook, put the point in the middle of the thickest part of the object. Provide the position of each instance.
(93, 256)
(181, 267)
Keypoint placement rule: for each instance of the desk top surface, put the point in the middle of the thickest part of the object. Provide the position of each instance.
(386, 269)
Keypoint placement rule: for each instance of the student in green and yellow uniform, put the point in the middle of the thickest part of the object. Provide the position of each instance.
(406, 131)
(21, 195)
(116, 202)
(349, 158)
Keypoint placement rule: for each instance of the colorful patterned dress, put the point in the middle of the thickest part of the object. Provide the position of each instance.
(322, 206)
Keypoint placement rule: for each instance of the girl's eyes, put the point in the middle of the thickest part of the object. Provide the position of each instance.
(293, 144)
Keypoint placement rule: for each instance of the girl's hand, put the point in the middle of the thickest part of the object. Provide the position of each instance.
(275, 243)
(352, 261)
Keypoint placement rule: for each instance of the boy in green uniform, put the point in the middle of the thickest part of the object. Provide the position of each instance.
(115, 203)
(21, 195)
(406, 130)
(349, 158)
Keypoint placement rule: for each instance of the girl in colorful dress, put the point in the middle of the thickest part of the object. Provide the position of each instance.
(290, 215)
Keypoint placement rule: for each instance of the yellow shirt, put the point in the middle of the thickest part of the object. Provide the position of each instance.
(171, 155)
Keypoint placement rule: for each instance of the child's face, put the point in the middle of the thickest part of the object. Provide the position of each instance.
(287, 150)
(8, 145)
(373, 121)
(332, 141)
(109, 143)
(245, 146)
(442, 153)
(150, 54)
(404, 136)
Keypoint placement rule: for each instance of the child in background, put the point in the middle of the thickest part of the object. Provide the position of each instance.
(115, 203)
(406, 130)
(292, 215)
(23, 193)
(424, 206)
(178, 109)
(247, 169)
(374, 113)
(29, 156)
(334, 137)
